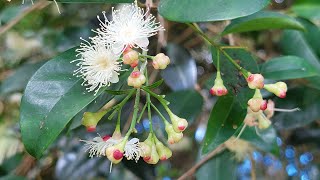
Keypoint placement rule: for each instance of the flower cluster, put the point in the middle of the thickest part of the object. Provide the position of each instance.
(100, 60)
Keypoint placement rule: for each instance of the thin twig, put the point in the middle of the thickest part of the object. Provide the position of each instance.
(38, 5)
(193, 169)
(253, 168)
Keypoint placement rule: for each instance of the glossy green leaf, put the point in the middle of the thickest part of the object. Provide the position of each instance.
(263, 20)
(208, 10)
(312, 35)
(52, 97)
(222, 166)
(309, 10)
(19, 79)
(264, 140)
(288, 67)
(295, 43)
(187, 103)
(307, 99)
(155, 85)
(95, 1)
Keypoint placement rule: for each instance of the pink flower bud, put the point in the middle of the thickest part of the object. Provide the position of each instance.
(90, 120)
(163, 151)
(179, 124)
(250, 119)
(154, 158)
(115, 153)
(160, 61)
(218, 89)
(173, 136)
(146, 149)
(256, 103)
(106, 137)
(136, 79)
(255, 81)
(130, 57)
(279, 89)
(270, 110)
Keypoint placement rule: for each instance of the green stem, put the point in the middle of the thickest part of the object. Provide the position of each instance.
(157, 110)
(218, 61)
(146, 56)
(118, 120)
(135, 114)
(206, 38)
(141, 113)
(158, 97)
(148, 103)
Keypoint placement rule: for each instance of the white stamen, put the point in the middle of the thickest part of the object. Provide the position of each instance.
(97, 147)
(129, 27)
(286, 110)
(132, 149)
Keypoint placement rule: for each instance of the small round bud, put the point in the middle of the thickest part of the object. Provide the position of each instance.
(136, 79)
(270, 109)
(115, 153)
(178, 124)
(160, 61)
(131, 57)
(154, 158)
(173, 136)
(106, 137)
(257, 104)
(218, 89)
(250, 119)
(146, 149)
(163, 151)
(90, 120)
(263, 122)
(279, 89)
(255, 81)
(264, 105)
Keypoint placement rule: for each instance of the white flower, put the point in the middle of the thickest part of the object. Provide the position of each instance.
(133, 150)
(98, 66)
(97, 147)
(130, 26)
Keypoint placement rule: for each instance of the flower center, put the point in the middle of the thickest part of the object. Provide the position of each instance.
(102, 62)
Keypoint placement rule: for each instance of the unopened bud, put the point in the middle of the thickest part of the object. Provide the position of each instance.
(263, 122)
(115, 152)
(279, 89)
(173, 136)
(179, 124)
(163, 151)
(255, 81)
(90, 120)
(160, 61)
(270, 110)
(136, 79)
(250, 119)
(218, 89)
(131, 57)
(154, 158)
(256, 103)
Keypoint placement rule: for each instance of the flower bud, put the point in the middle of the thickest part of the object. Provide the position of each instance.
(250, 119)
(173, 136)
(146, 149)
(136, 79)
(256, 103)
(160, 61)
(154, 158)
(263, 122)
(90, 120)
(115, 153)
(255, 81)
(270, 110)
(279, 89)
(218, 89)
(163, 151)
(178, 124)
(131, 57)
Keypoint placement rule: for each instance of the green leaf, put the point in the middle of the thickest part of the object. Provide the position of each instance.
(13, 177)
(294, 43)
(223, 166)
(155, 85)
(19, 79)
(308, 10)
(95, 1)
(187, 103)
(288, 67)
(118, 92)
(307, 99)
(263, 20)
(265, 140)
(52, 97)
(208, 10)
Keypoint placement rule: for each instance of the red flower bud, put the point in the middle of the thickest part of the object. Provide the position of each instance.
(255, 81)
(279, 89)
